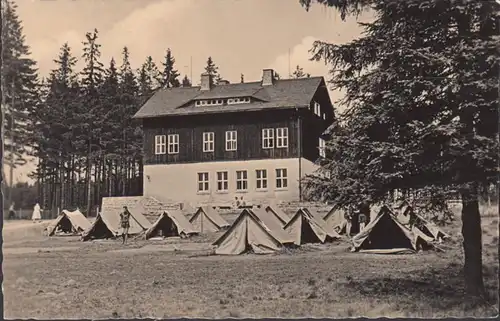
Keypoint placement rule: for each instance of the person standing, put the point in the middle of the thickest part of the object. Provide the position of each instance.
(36, 213)
(362, 221)
(125, 223)
(12, 212)
(348, 218)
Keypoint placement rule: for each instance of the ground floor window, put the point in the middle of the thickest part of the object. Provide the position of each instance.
(222, 182)
(261, 179)
(203, 183)
(241, 181)
(281, 178)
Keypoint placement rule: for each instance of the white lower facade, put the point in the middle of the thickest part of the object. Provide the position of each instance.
(219, 183)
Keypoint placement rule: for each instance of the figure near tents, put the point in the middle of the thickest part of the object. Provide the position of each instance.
(125, 223)
(37, 216)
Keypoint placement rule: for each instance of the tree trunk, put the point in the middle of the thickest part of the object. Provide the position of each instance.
(88, 178)
(472, 243)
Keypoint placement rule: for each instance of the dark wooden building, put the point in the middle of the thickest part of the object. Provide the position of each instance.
(212, 144)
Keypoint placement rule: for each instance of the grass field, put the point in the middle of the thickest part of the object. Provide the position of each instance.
(65, 278)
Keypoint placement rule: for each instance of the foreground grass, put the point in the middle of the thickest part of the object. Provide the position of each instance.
(106, 280)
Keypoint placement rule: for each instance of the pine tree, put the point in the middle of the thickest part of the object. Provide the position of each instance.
(90, 116)
(421, 117)
(170, 74)
(212, 70)
(186, 82)
(19, 88)
(148, 78)
(131, 136)
(299, 73)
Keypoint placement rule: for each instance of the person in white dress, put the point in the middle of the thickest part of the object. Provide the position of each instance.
(36, 213)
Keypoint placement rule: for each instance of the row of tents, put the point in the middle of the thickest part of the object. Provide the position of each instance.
(389, 231)
(107, 224)
(264, 230)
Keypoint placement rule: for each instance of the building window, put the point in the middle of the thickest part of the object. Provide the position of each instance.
(317, 109)
(240, 100)
(261, 179)
(281, 137)
(267, 138)
(322, 145)
(203, 182)
(324, 116)
(173, 144)
(281, 178)
(208, 142)
(231, 140)
(222, 182)
(160, 144)
(241, 181)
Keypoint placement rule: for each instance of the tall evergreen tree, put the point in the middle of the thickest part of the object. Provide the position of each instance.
(186, 82)
(129, 102)
(19, 88)
(148, 78)
(170, 74)
(422, 116)
(213, 71)
(91, 108)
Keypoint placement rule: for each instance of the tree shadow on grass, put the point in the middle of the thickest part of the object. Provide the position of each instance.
(431, 291)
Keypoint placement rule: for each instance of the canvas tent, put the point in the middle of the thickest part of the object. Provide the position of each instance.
(278, 213)
(335, 219)
(308, 227)
(253, 231)
(171, 223)
(107, 223)
(70, 223)
(412, 219)
(385, 234)
(207, 219)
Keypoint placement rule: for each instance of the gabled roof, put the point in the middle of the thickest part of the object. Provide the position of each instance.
(286, 93)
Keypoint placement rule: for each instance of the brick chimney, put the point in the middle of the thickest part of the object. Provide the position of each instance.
(267, 77)
(205, 81)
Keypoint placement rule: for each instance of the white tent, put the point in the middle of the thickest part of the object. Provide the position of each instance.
(69, 222)
(107, 223)
(408, 217)
(335, 218)
(385, 234)
(280, 215)
(307, 227)
(207, 219)
(171, 223)
(254, 230)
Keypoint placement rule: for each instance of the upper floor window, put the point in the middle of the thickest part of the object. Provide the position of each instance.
(261, 179)
(240, 100)
(321, 146)
(282, 137)
(222, 182)
(231, 140)
(203, 182)
(160, 144)
(281, 178)
(317, 109)
(173, 144)
(268, 138)
(324, 116)
(208, 142)
(209, 102)
(241, 181)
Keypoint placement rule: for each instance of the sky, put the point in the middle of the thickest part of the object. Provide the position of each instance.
(241, 36)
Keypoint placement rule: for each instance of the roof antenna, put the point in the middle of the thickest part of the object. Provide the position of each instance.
(191, 66)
